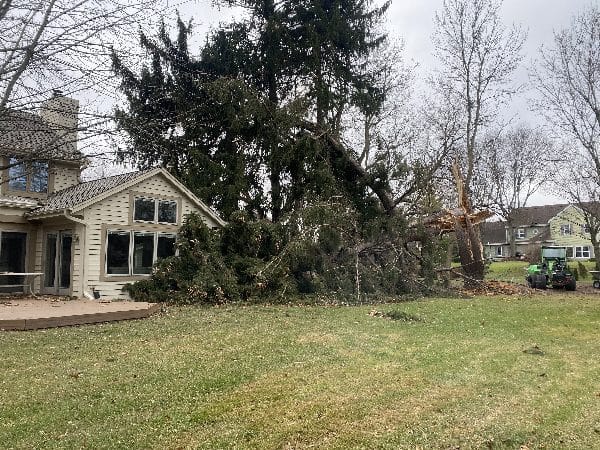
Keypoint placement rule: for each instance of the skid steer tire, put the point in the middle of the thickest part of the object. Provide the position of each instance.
(540, 281)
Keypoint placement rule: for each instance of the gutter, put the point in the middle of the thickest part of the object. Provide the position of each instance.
(67, 215)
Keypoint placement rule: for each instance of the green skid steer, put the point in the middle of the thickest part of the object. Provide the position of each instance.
(551, 271)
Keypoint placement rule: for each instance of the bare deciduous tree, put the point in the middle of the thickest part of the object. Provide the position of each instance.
(517, 164)
(568, 79)
(62, 46)
(478, 56)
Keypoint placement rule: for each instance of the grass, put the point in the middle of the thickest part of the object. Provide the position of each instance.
(514, 271)
(434, 373)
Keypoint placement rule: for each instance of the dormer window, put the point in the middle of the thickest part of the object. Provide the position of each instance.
(28, 177)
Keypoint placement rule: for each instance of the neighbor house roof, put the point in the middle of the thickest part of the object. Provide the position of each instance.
(78, 197)
(26, 134)
(532, 215)
(493, 232)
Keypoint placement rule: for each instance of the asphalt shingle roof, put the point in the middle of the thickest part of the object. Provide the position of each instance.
(80, 193)
(493, 232)
(532, 215)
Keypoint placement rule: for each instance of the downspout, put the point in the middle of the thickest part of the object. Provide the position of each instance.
(84, 253)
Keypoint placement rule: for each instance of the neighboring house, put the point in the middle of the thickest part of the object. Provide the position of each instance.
(535, 226)
(82, 236)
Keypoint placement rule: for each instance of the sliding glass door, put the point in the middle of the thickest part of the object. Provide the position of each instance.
(57, 263)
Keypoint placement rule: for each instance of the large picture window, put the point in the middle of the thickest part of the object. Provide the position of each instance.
(135, 252)
(117, 252)
(143, 253)
(154, 210)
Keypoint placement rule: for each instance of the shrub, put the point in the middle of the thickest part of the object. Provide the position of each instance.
(198, 274)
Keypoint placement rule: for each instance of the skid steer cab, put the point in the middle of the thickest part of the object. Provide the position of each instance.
(551, 271)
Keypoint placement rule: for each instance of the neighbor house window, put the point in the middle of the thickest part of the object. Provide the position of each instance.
(135, 252)
(154, 210)
(565, 229)
(520, 233)
(499, 250)
(32, 177)
(583, 252)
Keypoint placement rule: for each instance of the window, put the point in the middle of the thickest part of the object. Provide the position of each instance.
(585, 229)
(520, 234)
(565, 229)
(39, 177)
(166, 245)
(117, 253)
(499, 250)
(31, 177)
(135, 252)
(143, 253)
(582, 252)
(144, 209)
(167, 211)
(155, 210)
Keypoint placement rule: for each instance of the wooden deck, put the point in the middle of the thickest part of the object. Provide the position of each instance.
(31, 314)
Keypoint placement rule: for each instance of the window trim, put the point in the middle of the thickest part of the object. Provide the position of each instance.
(521, 233)
(134, 210)
(133, 195)
(28, 174)
(564, 227)
(580, 248)
(155, 230)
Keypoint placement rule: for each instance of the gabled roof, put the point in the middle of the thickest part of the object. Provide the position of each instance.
(532, 215)
(80, 196)
(26, 134)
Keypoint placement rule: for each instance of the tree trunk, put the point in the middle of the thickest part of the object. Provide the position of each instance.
(468, 238)
(512, 243)
(596, 245)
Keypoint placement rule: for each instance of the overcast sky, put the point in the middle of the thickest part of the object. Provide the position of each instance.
(413, 22)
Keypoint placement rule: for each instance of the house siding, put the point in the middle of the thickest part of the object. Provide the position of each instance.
(62, 177)
(114, 213)
(574, 217)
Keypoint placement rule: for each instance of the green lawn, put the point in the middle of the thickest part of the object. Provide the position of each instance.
(514, 271)
(448, 374)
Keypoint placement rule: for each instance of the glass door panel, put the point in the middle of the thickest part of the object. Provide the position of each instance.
(13, 248)
(50, 261)
(66, 241)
